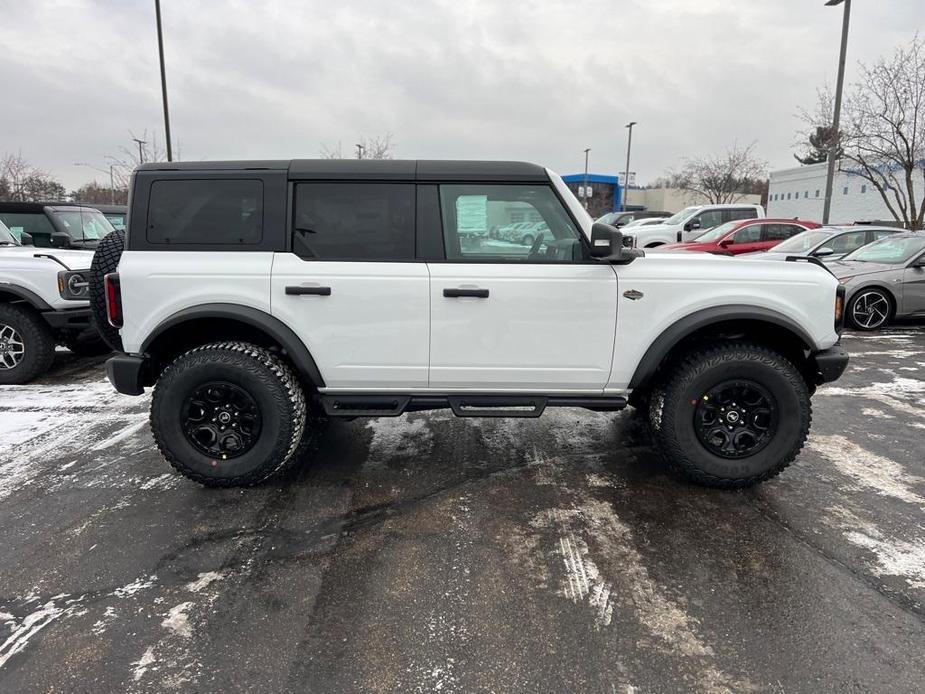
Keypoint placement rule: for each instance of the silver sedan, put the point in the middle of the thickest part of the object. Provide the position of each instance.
(884, 280)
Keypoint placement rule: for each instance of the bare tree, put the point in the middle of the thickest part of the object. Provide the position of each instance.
(722, 178)
(141, 149)
(882, 137)
(378, 147)
(20, 181)
(99, 194)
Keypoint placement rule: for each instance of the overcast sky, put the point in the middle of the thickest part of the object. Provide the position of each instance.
(493, 79)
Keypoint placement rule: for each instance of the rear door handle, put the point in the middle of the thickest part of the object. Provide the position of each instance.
(456, 293)
(299, 291)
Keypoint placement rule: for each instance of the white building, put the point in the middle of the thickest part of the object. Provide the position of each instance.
(800, 192)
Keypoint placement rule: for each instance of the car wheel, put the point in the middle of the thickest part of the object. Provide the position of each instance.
(105, 260)
(27, 345)
(527, 240)
(228, 414)
(870, 309)
(731, 416)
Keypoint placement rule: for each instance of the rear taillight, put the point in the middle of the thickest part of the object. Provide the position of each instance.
(113, 299)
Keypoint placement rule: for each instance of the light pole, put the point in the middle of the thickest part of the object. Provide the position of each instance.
(626, 173)
(141, 152)
(836, 118)
(584, 187)
(361, 150)
(160, 50)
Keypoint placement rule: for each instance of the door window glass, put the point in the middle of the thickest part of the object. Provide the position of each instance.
(845, 243)
(479, 224)
(742, 212)
(354, 221)
(750, 234)
(35, 223)
(780, 232)
(710, 218)
(217, 211)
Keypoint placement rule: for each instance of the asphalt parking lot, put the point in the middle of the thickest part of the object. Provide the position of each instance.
(427, 553)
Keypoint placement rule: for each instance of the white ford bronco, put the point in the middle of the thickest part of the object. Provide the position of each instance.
(43, 302)
(258, 298)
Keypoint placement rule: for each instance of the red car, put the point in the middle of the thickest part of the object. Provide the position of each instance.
(743, 236)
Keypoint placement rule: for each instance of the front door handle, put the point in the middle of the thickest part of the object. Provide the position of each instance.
(458, 292)
(299, 291)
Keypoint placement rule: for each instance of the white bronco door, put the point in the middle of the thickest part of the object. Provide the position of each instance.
(506, 317)
(350, 288)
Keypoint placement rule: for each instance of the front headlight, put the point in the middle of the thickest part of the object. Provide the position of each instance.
(73, 285)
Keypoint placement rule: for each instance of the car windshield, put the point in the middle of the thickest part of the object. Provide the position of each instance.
(890, 250)
(803, 242)
(6, 236)
(682, 216)
(84, 224)
(608, 218)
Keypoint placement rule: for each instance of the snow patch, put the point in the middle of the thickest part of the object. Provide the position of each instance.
(23, 631)
(177, 620)
(399, 437)
(134, 587)
(204, 580)
(142, 664)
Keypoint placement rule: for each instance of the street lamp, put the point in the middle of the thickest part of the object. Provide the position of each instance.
(141, 153)
(361, 150)
(160, 50)
(836, 118)
(584, 188)
(626, 173)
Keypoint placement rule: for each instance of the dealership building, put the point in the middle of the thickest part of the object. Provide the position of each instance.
(800, 192)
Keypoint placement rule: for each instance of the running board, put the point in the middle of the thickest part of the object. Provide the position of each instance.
(471, 405)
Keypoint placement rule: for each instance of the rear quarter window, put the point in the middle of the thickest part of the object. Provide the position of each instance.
(220, 212)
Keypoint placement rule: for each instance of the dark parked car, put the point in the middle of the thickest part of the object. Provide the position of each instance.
(828, 243)
(618, 219)
(55, 225)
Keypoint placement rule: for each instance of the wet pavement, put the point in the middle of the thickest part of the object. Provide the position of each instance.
(426, 553)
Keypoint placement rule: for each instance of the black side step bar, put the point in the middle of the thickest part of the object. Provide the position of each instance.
(474, 405)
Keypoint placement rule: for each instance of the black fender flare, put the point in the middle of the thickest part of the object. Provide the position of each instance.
(26, 295)
(281, 333)
(703, 318)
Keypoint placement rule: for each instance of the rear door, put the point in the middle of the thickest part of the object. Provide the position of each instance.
(351, 287)
(507, 318)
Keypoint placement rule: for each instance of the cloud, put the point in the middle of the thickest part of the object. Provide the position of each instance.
(535, 80)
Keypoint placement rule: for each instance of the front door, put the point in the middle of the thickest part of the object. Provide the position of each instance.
(351, 288)
(509, 317)
(914, 287)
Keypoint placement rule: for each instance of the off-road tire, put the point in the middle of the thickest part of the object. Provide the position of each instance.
(266, 378)
(38, 344)
(671, 414)
(105, 260)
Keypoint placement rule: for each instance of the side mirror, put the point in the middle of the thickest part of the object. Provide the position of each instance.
(60, 240)
(607, 245)
(822, 252)
(692, 225)
(26, 239)
(725, 243)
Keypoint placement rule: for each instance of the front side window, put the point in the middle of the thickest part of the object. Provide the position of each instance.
(6, 236)
(354, 221)
(477, 224)
(845, 243)
(214, 211)
(710, 218)
(750, 234)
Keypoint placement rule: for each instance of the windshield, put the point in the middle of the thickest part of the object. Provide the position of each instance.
(890, 250)
(717, 233)
(802, 242)
(609, 218)
(6, 236)
(682, 216)
(84, 224)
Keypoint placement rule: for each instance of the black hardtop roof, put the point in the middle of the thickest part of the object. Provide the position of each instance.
(40, 206)
(379, 169)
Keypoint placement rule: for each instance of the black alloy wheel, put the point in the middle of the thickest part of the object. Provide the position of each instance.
(736, 419)
(221, 420)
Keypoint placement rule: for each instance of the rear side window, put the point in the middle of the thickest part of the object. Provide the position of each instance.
(217, 211)
(742, 213)
(354, 221)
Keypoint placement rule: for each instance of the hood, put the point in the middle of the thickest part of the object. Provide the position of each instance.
(852, 268)
(651, 228)
(74, 259)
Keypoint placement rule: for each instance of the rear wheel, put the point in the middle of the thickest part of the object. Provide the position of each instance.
(228, 414)
(527, 240)
(870, 309)
(27, 345)
(731, 416)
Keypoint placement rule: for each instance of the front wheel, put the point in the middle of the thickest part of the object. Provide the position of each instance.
(228, 414)
(27, 346)
(527, 240)
(870, 309)
(731, 416)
